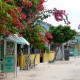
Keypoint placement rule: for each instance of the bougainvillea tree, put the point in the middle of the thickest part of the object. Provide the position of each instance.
(37, 36)
(20, 15)
(10, 21)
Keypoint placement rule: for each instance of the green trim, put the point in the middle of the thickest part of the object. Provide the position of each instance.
(9, 63)
(2, 49)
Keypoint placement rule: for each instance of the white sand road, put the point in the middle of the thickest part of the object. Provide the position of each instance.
(59, 70)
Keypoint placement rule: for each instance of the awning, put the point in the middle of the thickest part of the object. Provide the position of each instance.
(24, 40)
(19, 40)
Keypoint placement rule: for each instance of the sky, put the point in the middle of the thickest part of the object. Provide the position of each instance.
(72, 7)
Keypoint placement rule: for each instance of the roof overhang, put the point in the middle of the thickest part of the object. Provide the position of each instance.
(19, 40)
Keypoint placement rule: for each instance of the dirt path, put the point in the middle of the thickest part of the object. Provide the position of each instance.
(59, 70)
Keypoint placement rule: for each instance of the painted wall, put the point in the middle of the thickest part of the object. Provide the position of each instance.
(48, 56)
(22, 60)
(37, 61)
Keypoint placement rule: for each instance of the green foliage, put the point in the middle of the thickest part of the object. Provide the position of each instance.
(35, 2)
(47, 50)
(35, 35)
(62, 34)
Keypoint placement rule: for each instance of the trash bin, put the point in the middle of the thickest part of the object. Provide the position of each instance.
(66, 54)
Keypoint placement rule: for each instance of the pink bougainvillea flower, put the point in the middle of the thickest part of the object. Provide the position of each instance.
(8, 32)
(2, 29)
(23, 16)
(0, 42)
(21, 35)
(24, 3)
(8, 1)
(15, 20)
(41, 1)
(40, 7)
(68, 23)
(27, 3)
(4, 22)
(48, 35)
(46, 40)
(19, 25)
(58, 14)
(12, 13)
(19, 9)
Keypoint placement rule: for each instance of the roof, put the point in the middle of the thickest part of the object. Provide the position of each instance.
(46, 25)
(19, 40)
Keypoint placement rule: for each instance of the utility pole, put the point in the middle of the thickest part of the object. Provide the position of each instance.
(63, 51)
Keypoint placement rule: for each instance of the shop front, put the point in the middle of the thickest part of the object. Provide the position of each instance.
(8, 53)
(8, 57)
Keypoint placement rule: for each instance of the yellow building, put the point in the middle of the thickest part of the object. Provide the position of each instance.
(46, 57)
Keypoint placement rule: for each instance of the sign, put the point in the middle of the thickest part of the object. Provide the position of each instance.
(10, 48)
(9, 63)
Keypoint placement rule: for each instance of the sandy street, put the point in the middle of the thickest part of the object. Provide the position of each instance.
(59, 70)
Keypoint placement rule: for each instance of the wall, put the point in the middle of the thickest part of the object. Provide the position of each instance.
(22, 60)
(48, 56)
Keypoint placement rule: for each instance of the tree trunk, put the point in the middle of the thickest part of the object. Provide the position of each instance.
(34, 59)
(56, 51)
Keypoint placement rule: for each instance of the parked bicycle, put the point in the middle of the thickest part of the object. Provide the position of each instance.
(29, 63)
